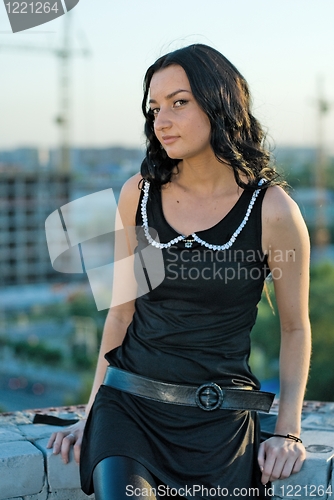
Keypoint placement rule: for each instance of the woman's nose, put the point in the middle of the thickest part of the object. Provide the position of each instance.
(162, 120)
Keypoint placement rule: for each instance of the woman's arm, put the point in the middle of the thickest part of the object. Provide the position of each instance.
(120, 313)
(124, 284)
(286, 242)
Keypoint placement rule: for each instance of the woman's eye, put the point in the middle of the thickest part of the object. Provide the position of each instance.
(176, 104)
(180, 102)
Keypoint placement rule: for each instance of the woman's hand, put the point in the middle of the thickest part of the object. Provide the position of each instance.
(279, 458)
(62, 441)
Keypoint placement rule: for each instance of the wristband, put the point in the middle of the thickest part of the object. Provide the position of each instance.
(289, 436)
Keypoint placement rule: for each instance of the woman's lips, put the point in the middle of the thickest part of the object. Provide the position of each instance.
(169, 139)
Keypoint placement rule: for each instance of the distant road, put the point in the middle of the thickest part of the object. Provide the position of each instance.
(21, 400)
(26, 386)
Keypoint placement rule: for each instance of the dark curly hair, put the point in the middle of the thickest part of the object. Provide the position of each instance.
(223, 94)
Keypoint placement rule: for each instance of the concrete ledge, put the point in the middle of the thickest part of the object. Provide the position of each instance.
(17, 460)
(29, 471)
(60, 476)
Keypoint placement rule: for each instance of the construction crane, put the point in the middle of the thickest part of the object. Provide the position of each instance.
(321, 230)
(65, 54)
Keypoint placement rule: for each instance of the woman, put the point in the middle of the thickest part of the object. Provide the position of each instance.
(223, 224)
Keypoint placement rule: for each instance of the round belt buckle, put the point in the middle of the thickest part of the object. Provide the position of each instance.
(209, 396)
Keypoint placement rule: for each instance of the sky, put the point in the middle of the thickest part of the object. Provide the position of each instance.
(284, 48)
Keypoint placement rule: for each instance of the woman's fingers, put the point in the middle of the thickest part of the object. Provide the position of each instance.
(51, 440)
(77, 448)
(279, 459)
(66, 444)
(261, 456)
(62, 441)
(56, 440)
(299, 463)
(288, 468)
(268, 467)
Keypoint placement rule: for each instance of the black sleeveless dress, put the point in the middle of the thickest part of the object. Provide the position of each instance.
(191, 329)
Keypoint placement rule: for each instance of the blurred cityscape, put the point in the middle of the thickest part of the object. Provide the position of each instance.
(49, 325)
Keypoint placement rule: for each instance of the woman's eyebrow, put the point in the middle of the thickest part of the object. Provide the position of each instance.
(173, 94)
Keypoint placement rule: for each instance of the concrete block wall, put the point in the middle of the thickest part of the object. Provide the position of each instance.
(29, 471)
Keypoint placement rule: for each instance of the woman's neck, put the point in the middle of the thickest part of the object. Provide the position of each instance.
(205, 177)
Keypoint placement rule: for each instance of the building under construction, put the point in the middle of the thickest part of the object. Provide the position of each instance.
(26, 200)
(30, 191)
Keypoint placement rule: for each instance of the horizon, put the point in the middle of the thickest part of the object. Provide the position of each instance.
(139, 147)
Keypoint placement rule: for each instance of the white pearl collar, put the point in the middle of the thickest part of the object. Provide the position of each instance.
(188, 243)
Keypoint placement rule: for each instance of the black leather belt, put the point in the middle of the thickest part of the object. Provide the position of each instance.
(208, 396)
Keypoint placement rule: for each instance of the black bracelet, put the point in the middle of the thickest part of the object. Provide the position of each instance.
(289, 436)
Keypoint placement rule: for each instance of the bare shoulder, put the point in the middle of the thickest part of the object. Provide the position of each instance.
(278, 207)
(129, 199)
(281, 219)
(130, 188)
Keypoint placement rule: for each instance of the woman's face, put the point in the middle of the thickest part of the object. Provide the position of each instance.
(180, 125)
